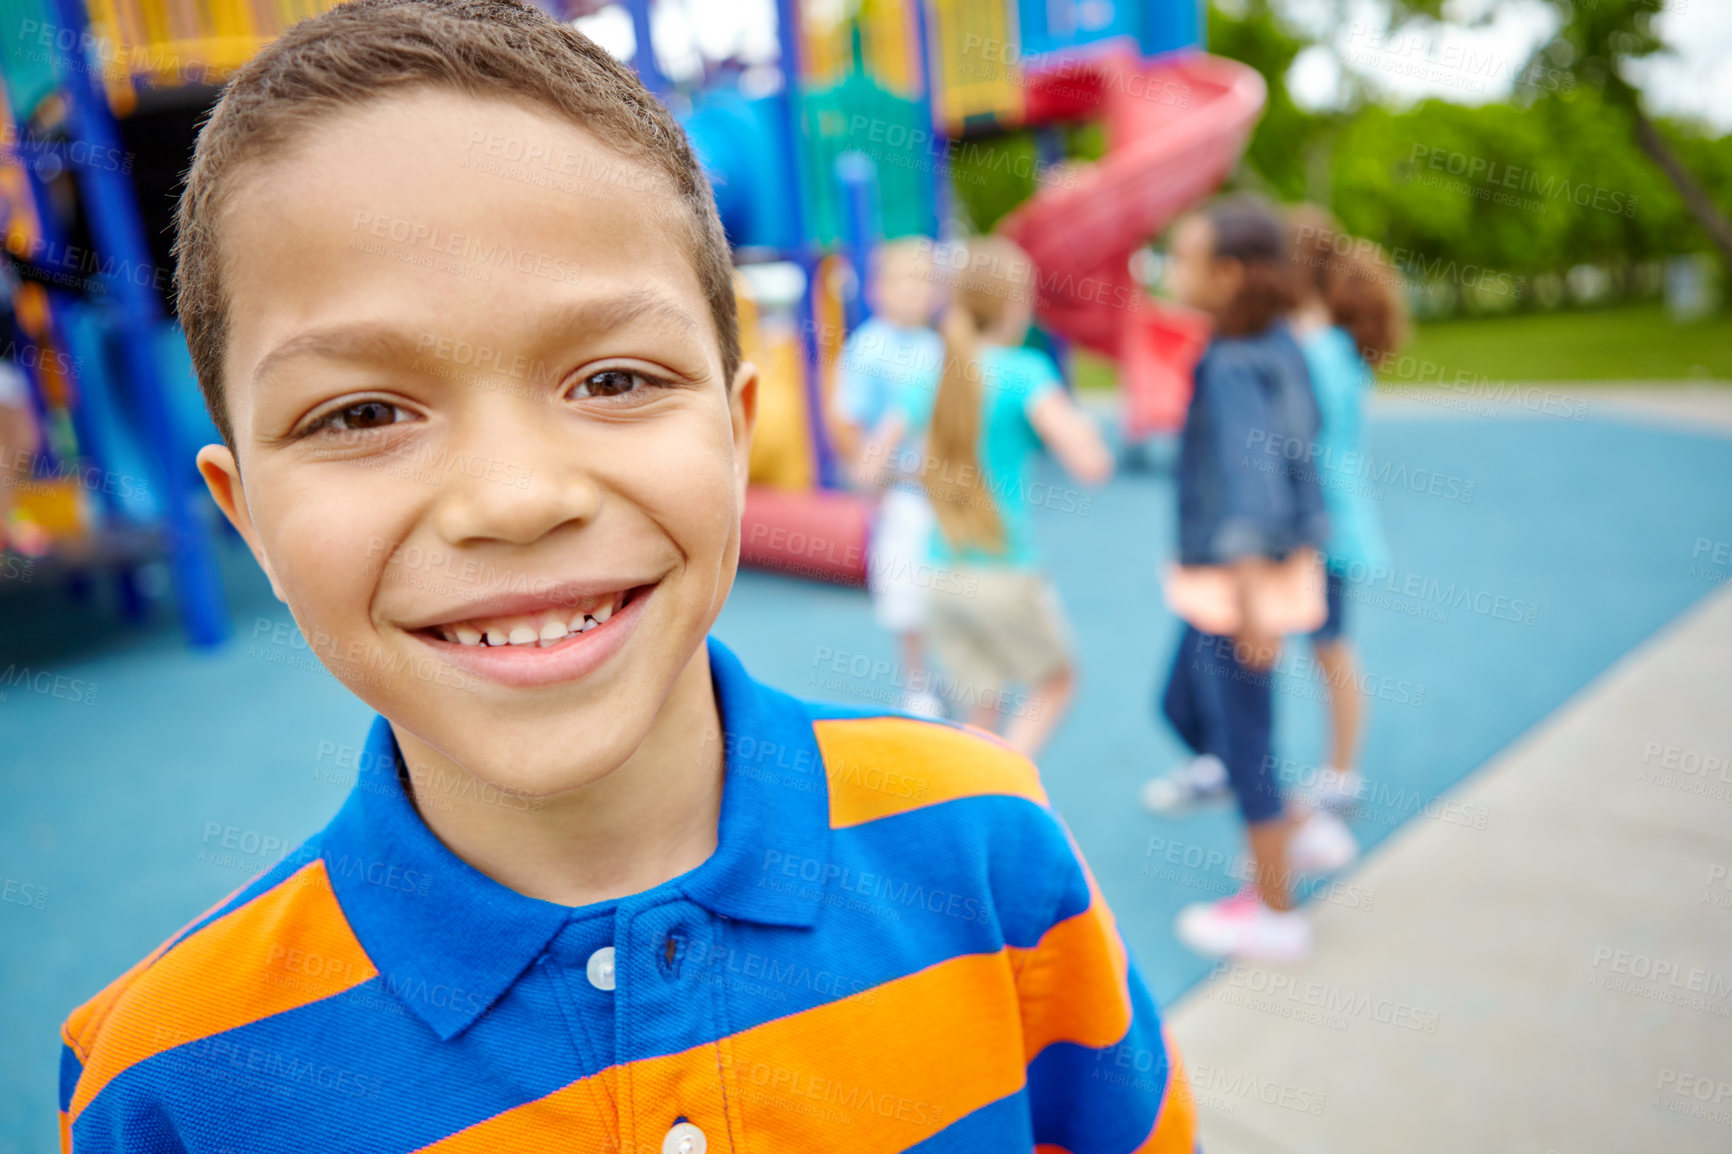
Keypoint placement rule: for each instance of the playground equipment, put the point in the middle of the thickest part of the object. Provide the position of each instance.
(99, 109)
(108, 373)
(850, 145)
(896, 90)
(1174, 131)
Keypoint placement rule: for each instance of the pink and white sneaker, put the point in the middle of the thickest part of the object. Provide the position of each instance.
(1243, 928)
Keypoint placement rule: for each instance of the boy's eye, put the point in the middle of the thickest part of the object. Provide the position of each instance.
(359, 416)
(614, 383)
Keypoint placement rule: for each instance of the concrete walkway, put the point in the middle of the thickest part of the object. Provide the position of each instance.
(1545, 966)
(1696, 406)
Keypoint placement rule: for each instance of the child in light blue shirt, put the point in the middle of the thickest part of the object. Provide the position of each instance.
(891, 356)
(1349, 316)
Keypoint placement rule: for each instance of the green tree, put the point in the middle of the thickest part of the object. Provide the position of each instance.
(1522, 188)
(1596, 41)
(1287, 137)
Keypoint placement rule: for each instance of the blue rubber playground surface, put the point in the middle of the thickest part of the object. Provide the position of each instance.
(1530, 553)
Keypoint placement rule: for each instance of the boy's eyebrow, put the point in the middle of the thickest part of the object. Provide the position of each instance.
(608, 313)
(369, 341)
(354, 341)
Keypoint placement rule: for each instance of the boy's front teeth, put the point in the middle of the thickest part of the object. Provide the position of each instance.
(536, 631)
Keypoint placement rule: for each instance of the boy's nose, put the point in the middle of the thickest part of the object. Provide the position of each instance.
(517, 499)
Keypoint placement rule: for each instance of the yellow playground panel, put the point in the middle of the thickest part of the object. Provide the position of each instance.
(781, 444)
(889, 42)
(976, 50)
(169, 42)
(783, 456)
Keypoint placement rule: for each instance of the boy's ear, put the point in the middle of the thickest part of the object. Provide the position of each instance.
(743, 411)
(222, 476)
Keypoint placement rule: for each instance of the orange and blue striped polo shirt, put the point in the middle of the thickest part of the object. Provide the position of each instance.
(895, 946)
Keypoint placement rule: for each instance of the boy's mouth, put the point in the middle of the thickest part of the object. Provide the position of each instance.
(541, 629)
(549, 639)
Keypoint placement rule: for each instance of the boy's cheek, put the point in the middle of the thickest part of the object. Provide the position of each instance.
(682, 474)
(325, 549)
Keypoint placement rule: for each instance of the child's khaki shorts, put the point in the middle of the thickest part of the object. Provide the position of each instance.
(993, 628)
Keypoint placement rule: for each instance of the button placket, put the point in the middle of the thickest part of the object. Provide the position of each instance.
(587, 1008)
(660, 995)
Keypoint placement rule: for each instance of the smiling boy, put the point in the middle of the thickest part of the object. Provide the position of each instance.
(595, 888)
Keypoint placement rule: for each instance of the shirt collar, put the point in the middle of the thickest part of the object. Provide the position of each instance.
(775, 802)
(448, 940)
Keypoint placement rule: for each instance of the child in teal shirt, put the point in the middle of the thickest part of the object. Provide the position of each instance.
(997, 623)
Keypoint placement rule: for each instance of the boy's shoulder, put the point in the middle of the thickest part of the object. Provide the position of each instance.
(934, 803)
(880, 764)
(278, 943)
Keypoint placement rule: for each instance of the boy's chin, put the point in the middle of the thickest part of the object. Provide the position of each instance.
(539, 777)
(523, 789)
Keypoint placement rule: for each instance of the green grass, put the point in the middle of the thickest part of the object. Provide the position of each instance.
(1635, 343)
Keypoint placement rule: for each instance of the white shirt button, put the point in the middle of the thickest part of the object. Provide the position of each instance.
(684, 1138)
(600, 968)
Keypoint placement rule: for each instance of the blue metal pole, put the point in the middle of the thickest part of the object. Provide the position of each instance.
(788, 141)
(1050, 151)
(649, 70)
(118, 234)
(858, 176)
(83, 428)
(93, 449)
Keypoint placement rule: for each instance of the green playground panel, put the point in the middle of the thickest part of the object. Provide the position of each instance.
(860, 116)
(28, 36)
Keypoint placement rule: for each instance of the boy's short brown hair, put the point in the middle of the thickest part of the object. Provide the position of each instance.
(357, 53)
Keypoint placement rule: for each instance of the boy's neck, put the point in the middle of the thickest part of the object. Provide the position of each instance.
(653, 818)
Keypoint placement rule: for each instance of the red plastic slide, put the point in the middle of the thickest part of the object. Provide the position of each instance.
(1175, 128)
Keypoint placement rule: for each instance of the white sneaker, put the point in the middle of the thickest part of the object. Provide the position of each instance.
(1321, 845)
(1242, 927)
(1336, 790)
(922, 704)
(1201, 781)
